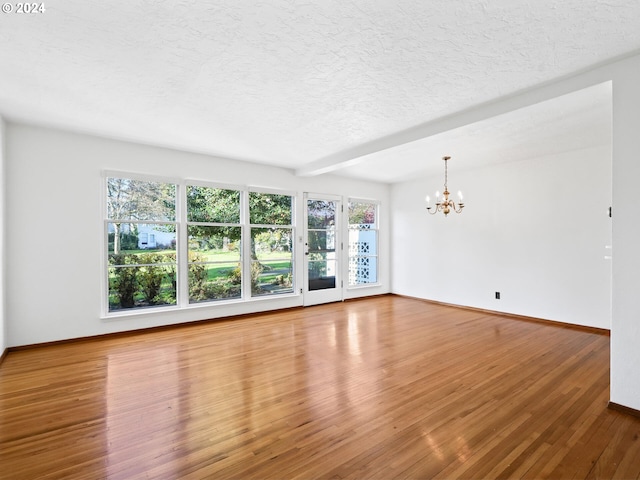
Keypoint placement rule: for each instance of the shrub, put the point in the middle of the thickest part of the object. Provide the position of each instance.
(172, 276)
(235, 275)
(150, 276)
(284, 280)
(125, 279)
(197, 277)
(142, 281)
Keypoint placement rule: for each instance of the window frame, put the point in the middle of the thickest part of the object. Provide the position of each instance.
(182, 261)
(106, 220)
(376, 254)
(187, 223)
(291, 226)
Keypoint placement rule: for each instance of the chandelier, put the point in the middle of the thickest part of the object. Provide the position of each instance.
(443, 204)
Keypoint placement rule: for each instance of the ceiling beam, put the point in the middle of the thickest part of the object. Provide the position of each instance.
(524, 98)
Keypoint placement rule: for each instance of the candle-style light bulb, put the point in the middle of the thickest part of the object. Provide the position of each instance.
(460, 195)
(437, 195)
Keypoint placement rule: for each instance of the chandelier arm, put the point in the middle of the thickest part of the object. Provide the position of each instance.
(436, 209)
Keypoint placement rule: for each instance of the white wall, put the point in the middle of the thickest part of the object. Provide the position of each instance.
(533, 230)
(54, 228)
(3, 317)
(625, 298)
(625, 328)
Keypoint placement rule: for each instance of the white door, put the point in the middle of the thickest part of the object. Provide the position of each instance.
(322, 249)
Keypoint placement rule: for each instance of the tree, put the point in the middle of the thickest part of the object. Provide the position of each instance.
(217, 205)
(321, 221)
(269, 209)
(137, 200)
(362, 213)
(213, 205)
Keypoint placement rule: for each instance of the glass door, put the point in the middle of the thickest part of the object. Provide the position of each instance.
(323, 281)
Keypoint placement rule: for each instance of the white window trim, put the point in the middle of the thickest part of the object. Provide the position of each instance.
(104, 283)
(182, 300)
(247, 248)
(377, 283)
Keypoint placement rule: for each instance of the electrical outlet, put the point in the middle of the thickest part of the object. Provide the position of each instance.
(497, 295)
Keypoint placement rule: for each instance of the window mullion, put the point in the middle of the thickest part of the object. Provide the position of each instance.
(182, 253)
(246, 245)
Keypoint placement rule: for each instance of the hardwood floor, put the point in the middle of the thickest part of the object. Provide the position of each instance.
(382, 388)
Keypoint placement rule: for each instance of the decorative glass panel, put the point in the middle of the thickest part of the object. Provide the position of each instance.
(363, 243)
(362, 270)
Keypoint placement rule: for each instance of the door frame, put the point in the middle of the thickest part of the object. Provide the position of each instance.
(328, 295)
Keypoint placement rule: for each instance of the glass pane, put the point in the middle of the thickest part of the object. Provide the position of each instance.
(214, 244)
(362, 215)
(142, 286)
(140, 237)
(214, 281)
(213, 205)
(271, 268)
(270, 209)
(214, 263)
(271, 277)
(362, 242)
(363, 270)
(129, 199)
(321, 214)
(270, 243)
(321, 240)
(322, 273)
(321, 256)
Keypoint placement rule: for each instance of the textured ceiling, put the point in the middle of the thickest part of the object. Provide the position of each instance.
(290, 82)
(574, 121)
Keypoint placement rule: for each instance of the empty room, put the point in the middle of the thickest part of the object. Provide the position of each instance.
(319, 239)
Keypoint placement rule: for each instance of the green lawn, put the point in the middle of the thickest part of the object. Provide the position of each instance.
(274, 268)
(219, 271)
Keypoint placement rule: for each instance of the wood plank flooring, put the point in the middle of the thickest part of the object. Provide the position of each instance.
(380, 388)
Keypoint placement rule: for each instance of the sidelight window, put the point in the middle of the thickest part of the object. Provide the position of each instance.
(363, 242)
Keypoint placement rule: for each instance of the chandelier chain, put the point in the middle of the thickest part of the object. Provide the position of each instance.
(445, 175)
